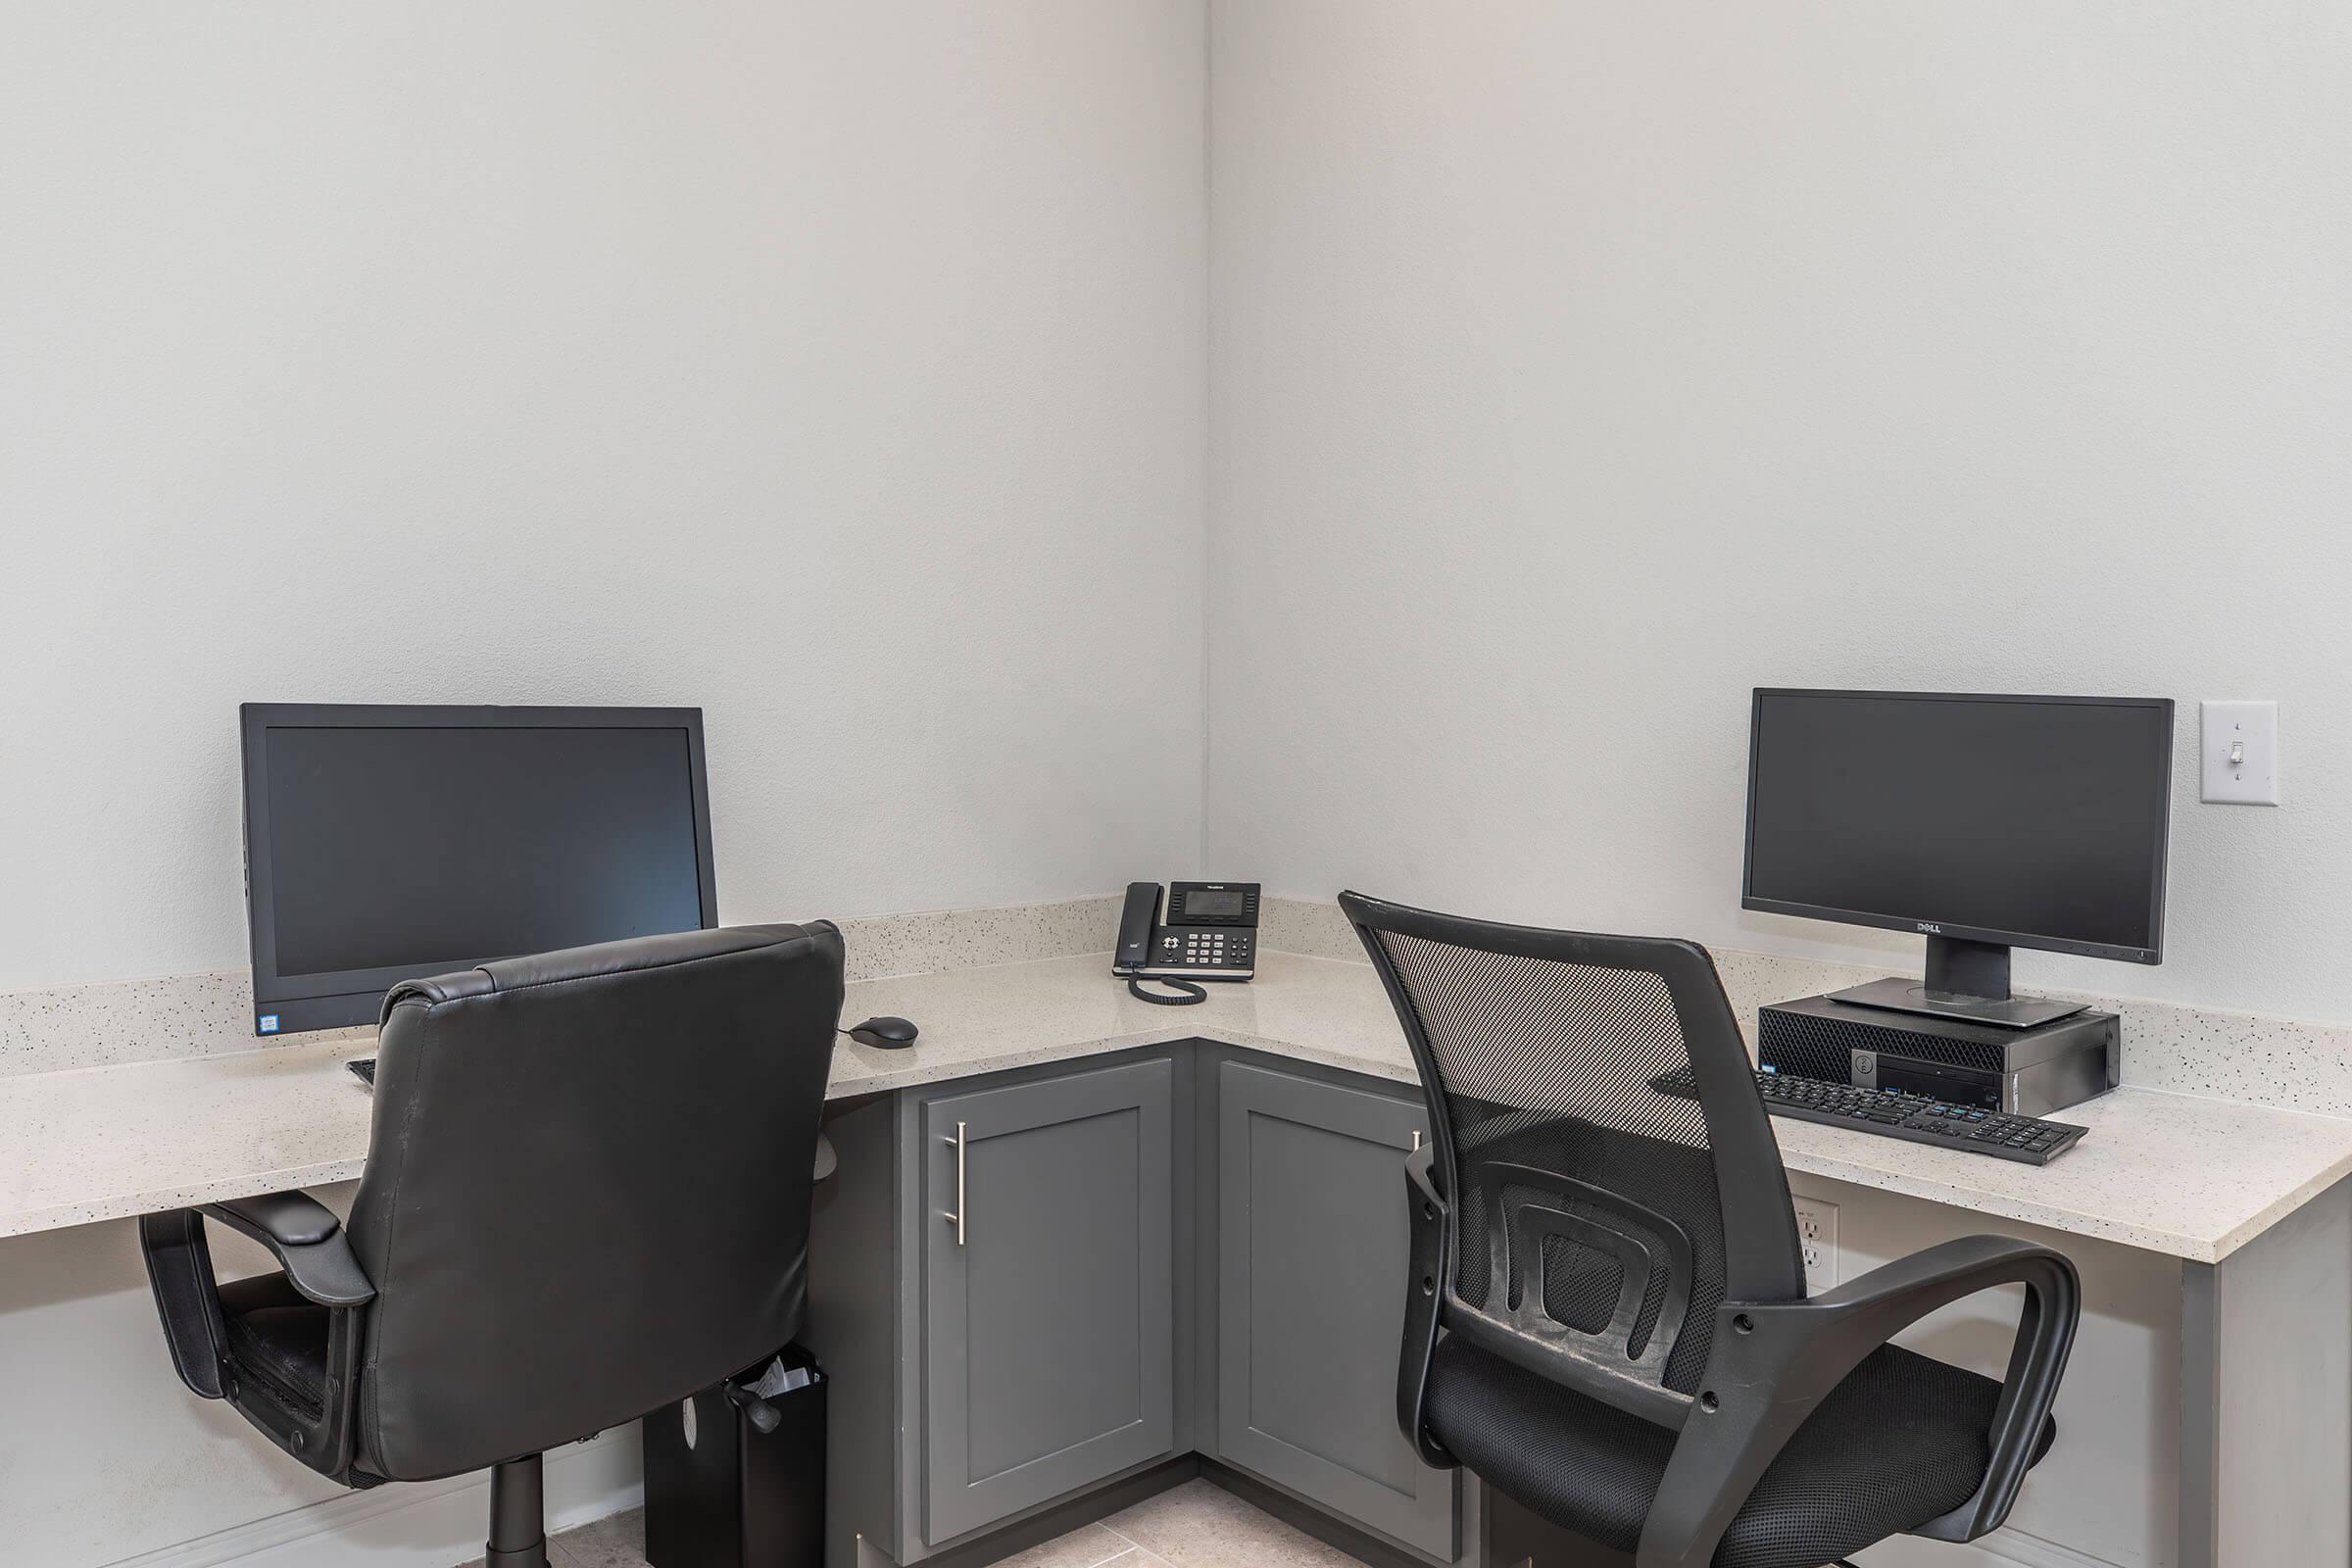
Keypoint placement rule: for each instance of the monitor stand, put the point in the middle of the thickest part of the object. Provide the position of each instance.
(1967, 981)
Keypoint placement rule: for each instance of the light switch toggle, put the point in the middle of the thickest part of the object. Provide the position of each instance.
(2239, 753)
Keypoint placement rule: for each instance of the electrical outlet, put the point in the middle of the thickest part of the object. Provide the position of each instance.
(1817, 1239)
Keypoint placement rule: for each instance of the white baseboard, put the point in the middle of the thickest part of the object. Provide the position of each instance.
(431, 1523)
(2003, 1548)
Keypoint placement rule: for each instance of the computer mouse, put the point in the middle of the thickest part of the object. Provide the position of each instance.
(885, 1033)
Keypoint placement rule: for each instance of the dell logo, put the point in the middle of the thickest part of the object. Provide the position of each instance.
(1932, 930)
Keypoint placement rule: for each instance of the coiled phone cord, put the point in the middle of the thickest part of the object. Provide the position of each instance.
(1193, 991)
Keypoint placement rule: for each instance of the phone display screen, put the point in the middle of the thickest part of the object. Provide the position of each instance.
(1213, 903)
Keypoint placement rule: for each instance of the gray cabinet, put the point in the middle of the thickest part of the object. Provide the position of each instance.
(1197, 1247)
(1311, 1268)
(1047, 1252)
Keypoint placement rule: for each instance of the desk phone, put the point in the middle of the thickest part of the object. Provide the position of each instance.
(1212, 935)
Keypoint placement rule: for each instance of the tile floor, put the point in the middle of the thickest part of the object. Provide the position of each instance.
(1192, 1526)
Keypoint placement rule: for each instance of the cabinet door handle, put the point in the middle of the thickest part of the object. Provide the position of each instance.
(956, 1218)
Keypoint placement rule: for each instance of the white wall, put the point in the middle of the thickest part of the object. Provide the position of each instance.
(1576, 369)
(836, 368)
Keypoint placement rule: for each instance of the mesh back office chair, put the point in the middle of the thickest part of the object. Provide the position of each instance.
(586, 1196)
(1607, 1319)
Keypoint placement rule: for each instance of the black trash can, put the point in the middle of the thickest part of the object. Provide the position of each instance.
(721, 1492)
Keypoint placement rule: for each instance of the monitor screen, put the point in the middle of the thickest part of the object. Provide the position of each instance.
(2028, 820)
(389, 843)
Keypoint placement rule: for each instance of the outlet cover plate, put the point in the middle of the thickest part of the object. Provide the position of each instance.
(1817, 1239)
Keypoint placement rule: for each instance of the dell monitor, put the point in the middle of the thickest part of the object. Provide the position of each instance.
(1984, 822)
(384, 843)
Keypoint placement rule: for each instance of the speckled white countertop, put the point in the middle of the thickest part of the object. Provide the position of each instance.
(2193, 1177)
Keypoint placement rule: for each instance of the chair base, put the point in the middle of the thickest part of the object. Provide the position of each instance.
(517, 1515)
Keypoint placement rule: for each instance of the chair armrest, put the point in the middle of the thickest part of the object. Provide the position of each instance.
(1773, 1362)
(309, 1245)
(1890, 1298)
(306, 1239)
(1424, 1289)
(188, 1300)
(287, 1219)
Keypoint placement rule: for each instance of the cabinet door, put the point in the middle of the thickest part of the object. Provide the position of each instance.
(1312, 1277)
(1049, 1333)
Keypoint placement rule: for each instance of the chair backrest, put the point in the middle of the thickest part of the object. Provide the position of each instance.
(1595, 1222)
(587, 1193)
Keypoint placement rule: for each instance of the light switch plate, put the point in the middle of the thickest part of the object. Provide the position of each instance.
(2239, 752)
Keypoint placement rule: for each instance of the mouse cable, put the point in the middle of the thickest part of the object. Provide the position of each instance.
(1192, 992)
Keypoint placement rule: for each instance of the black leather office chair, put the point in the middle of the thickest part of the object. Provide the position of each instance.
(1607, 1319)
(586, 1196)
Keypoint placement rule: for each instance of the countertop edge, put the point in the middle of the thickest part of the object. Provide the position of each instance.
(131, 1206)
(862, 1071)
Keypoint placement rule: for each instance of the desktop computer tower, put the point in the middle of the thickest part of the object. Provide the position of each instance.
(719, 1493)
(2025, 1072)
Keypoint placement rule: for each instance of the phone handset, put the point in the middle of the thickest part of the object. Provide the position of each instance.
(1213, 936)
(1138, 922)
(1135, 927)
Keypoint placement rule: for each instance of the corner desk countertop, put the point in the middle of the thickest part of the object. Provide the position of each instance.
(2191, 1177)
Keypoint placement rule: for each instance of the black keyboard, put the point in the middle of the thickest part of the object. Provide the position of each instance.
(1914, 1118)
(363, 1069)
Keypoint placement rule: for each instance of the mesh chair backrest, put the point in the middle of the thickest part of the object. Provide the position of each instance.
(1598, 1220)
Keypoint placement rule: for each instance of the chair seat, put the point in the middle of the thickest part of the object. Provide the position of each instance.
(1900, 1441)
(280, 1337)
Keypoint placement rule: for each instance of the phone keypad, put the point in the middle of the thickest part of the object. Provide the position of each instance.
(1206, 949)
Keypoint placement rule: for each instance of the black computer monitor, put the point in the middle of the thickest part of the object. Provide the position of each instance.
(1985, 822)
(383, 843)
